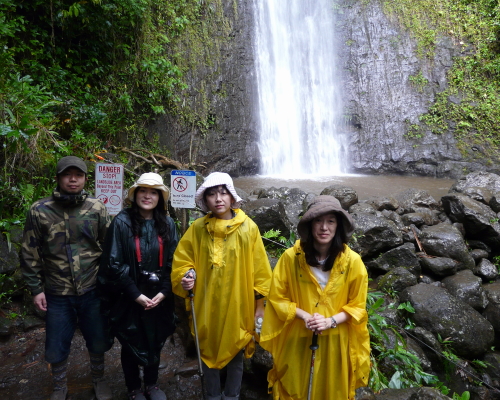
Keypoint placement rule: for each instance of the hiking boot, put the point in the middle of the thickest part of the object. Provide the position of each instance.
(102, 391)
(155, 393)
(59, 394)
(137, 394)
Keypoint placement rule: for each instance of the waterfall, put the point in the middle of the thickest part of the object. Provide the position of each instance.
(299, 99)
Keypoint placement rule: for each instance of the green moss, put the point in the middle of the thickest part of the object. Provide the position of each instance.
(474, 79)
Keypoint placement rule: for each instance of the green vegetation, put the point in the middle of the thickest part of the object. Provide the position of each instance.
(276, 244)
(470, 105)
(393, 365)
(8, 287)
(496, 261)
(419, 81)
(79, 76)
(465, 396)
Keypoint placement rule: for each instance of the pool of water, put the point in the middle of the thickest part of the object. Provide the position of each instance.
(364, 185)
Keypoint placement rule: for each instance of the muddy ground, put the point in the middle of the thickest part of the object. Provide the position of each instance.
(25, 375)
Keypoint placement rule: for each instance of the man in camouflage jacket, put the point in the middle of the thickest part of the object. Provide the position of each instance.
(60, 259)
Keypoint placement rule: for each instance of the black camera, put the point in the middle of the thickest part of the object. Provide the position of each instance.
(149, 283)
(149, 278)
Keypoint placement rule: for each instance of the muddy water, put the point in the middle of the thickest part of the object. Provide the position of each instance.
(364, 185)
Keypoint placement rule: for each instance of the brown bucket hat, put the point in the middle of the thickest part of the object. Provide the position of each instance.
(323, 205)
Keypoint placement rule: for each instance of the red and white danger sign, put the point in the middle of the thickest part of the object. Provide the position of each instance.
(109, 186)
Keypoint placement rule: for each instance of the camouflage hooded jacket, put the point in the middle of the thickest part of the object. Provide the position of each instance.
(62, 244)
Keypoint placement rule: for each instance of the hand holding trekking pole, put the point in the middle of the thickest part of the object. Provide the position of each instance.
(188, 280)
(314, 346)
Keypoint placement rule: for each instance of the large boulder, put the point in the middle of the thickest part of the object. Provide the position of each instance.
(402, 256)
(479, 220)
(9, 258)
(365, 393)
(362, 207)
(478, 254)
(422, 393)
(268, 214)
(394, 217)
(412, 199)
(478, 179)
(428, 393)
(374, 234)
(492, 312)
(438, 311)
(417, 219)
(480, 194)
(486, 270)
(262, 359)
(465, 286)
(495, 201)
(444, 240)
(430, 345)
(396, 280)
(439, 266)
(6, 327)
(381, 203)
(492, 360)
(292, 199)
(345, 194)
(391, 340)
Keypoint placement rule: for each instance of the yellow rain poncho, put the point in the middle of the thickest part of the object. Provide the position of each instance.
(343, 358)
(231, 263)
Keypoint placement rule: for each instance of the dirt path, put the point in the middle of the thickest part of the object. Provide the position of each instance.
(25, 375)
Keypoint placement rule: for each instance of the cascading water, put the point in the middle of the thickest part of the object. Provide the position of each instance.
(298, 85)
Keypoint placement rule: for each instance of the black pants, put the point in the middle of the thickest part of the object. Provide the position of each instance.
(131, 371)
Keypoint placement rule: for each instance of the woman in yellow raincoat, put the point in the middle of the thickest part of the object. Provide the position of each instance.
(319, 286)
(224, 254)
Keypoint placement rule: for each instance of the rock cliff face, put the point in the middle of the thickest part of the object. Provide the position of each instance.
(383, 98)
(222, 91)
(382, 95)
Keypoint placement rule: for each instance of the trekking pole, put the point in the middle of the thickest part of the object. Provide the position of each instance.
(200, 367)
(314, 346)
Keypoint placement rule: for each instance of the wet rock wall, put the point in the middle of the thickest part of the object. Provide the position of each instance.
(383, 97)
(216, 123)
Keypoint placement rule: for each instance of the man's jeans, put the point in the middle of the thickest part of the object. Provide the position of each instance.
(63, 315)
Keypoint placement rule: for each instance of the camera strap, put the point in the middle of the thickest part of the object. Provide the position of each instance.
(138, 250)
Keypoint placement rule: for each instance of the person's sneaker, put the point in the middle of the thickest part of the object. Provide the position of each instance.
(155, 393)
(102, 391)
(59, 394)
(136, 395)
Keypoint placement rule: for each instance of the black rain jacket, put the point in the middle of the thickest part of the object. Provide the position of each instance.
(120, 283)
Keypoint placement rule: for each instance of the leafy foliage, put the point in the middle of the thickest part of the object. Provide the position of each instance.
(276, 243)
(393, 365)
(76, 76)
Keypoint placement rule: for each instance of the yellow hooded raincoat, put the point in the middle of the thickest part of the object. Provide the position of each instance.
(343, 358)
(231, 263)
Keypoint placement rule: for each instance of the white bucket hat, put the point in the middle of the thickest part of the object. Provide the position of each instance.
(216, 179)
(150, 180)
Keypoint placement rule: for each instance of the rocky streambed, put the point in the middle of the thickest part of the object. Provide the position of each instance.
(439, 255)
